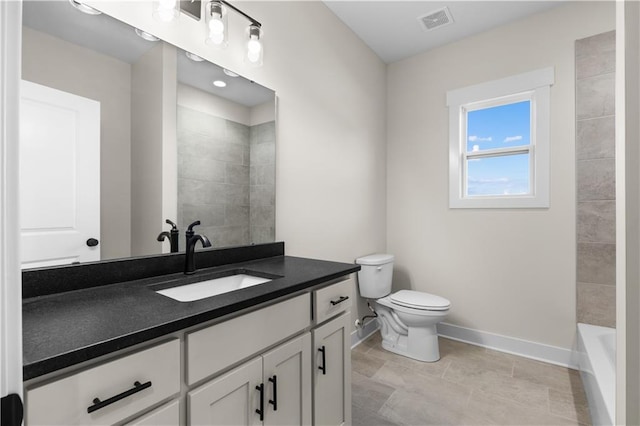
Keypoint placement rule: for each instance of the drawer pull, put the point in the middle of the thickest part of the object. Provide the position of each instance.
(323, 367)
(260, 410)
(97, 404)
(274, 401)
(342, 299)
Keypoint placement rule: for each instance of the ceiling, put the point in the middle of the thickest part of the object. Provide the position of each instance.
(111, 37)
(392, 29)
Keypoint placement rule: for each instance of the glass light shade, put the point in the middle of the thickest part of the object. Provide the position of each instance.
(255, 51)
(217, 28)
(166, 10)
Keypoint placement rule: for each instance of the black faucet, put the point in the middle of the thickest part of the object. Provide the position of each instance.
(190, 255)
(173, 235)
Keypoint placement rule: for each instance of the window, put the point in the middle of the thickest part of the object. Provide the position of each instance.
(499, 143)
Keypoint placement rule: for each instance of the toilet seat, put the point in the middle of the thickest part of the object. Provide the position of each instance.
(419, 300)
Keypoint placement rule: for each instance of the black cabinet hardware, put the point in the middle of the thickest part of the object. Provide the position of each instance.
(342, 299)
(323, 367)
(92, 242)
(137, 387)
(260, 410)
(274, 401)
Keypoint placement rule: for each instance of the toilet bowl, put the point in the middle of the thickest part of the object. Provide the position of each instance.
(410, 329)
(407, 318)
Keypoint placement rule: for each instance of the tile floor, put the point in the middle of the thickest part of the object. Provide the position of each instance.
(470, 385)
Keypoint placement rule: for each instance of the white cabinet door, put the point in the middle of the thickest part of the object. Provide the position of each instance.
(332, 373)
(287, 381)
(59, 176)
(231, 399)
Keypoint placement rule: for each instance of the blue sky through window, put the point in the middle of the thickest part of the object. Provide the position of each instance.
(503, 126)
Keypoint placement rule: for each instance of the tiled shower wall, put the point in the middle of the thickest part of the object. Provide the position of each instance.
(214, 176)
(595, 154)
(262, 186)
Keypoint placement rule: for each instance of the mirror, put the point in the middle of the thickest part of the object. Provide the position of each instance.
(171, 144)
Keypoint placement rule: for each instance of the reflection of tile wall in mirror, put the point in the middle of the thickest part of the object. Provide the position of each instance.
(59, 52)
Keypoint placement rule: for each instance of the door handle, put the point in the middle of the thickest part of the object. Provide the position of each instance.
(260, 410)
(137, 387)
(274, 401)
(92, 242)
(323, 367)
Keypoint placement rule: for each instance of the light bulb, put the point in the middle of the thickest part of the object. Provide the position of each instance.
(254, 46)
(216, 26)
(216, 18)
(166, 10)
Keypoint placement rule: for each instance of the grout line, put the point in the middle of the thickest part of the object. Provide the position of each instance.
(446, 369)
(595, 118)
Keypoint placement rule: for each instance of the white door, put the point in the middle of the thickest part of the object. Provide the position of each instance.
(59, 177)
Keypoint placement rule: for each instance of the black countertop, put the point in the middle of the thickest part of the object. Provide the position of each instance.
(63, 329)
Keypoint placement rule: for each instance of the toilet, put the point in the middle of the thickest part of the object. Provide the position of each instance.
(407, 318)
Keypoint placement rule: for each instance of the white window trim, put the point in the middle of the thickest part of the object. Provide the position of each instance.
(538, 84)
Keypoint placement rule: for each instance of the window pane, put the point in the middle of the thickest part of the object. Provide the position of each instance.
(504, 175)
(503, 126)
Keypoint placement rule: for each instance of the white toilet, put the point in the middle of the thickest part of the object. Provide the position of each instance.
(407, 318)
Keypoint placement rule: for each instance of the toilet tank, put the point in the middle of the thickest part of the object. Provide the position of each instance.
(374, 277)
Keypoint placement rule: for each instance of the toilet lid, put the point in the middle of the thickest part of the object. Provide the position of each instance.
(420, 300)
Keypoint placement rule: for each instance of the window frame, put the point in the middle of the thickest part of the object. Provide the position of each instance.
(533, 86)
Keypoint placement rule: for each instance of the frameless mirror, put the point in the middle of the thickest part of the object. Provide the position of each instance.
(120, 132)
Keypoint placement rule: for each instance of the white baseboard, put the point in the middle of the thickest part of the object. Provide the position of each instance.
(357, 336)
(512, 345)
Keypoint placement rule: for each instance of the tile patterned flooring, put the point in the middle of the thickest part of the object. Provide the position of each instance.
(470, 385)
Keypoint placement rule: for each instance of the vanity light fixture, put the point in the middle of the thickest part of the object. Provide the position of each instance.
(219, 83)
(217, 30)
(145, 35)
(84, 8)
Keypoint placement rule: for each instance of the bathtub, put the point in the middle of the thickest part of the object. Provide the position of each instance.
(597, 361)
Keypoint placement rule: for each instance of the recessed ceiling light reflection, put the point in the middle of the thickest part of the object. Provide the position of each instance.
(145, 35)
(219, 83)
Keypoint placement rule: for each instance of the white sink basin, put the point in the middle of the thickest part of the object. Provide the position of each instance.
(213, 287)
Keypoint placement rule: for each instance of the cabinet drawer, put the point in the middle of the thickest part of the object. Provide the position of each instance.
(332, 300)
(217, 347)
(66, 401)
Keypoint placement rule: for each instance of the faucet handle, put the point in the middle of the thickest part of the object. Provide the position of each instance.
(174, 227)
(196, 223)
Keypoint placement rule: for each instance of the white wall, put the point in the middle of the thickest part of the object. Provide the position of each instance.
(65, 66)
(154, 163)
(510, 272)
(331, 125)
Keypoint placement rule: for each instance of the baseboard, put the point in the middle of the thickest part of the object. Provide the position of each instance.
(512, 345)
(361, 334)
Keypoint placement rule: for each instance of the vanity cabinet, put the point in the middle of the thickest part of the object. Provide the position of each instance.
(332, 372)
(285, 363)
(273, 389)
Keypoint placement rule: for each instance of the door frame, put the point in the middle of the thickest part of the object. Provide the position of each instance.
(10, 274)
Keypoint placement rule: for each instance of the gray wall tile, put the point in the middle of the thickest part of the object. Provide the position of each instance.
(237, 174)
(596, 179)
(595, 96)
(597, 222)
(595, 138)
(201, 168)
(596, 263)
(596, 55)
(596, 304)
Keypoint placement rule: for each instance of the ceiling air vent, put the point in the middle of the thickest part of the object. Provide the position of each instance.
(437, 18)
